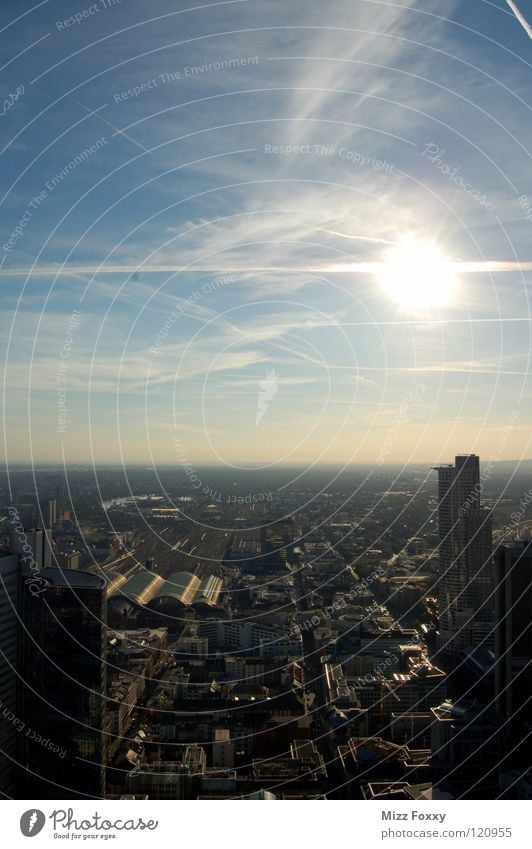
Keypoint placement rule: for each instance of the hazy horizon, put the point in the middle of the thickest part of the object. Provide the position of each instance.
(87, 463)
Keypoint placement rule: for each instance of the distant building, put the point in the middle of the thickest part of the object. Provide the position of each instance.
(67, 559)
(412, 728)
(375, 757)
(223, 749)
(190, 643)
(181, 590)
(419, 690)
(39, 554)
(390, 791)
(51, 513)
(249, 636)
(304, 770)
(170, 779)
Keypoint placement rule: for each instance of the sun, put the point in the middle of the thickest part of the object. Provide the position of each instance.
(416, 275)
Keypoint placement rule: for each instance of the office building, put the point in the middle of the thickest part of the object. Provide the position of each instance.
(465, 556)
(513, 630)
(10, 722)
(34, 547)
(51, 513)
(468, 743)
(63, 686)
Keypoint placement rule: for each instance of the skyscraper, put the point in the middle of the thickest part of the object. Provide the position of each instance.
(38, 541)
(51, 512)
(63, 687)
(10, 722)
(465, 555)
(513, 630)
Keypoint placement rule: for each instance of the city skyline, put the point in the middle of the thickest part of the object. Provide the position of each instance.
(266, 455)
(376, 617)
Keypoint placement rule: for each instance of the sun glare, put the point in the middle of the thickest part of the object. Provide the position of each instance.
(416, 275)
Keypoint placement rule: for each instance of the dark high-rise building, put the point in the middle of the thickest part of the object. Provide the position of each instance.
(51, 512)
(34, 548)
(468, 743)
(465, 554)
(10, 722)
(63, 686)
(513, 630)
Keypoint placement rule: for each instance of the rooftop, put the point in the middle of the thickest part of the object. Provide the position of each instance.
(74, 578)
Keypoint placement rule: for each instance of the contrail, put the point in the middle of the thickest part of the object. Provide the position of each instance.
(460, 267)
(361, 238)
(95, 113)
(520, 17)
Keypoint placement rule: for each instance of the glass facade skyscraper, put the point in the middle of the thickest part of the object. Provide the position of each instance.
(63, 687)
(10, 721)
(465, 554)
(513, 644)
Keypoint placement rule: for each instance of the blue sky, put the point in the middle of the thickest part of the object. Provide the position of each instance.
(173, 268)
